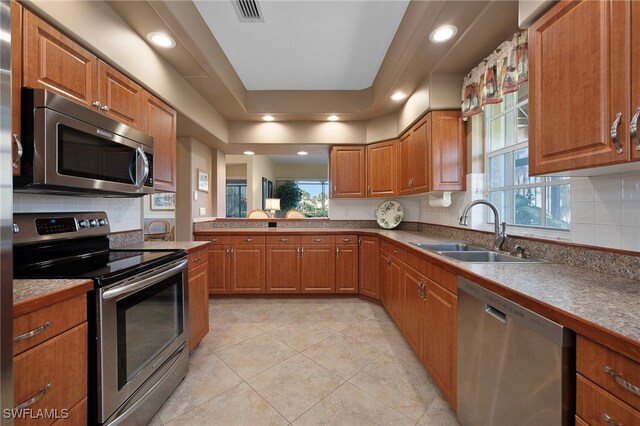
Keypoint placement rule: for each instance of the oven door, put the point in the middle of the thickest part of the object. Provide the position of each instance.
(72, 153)
(141, 324)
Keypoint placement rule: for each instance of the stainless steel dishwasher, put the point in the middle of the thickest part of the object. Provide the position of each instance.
(515, 367)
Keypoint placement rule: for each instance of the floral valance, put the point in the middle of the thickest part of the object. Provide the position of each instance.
(500, 73)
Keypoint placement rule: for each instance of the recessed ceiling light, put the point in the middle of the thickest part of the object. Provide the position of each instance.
(161, 39)
(268, 117)
(302, 152)
(249, 153)
(398, 96)
(443, 33)
(333, 118)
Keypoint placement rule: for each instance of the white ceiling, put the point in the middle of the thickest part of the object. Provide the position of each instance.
(306, 45)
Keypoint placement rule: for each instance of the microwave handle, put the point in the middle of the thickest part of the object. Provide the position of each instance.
(145, 172)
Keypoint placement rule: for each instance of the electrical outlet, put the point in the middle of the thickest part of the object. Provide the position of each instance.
(195, 195)
(203, 211)
(346, 212)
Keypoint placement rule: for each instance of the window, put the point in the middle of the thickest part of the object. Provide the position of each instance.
(522, 200)
(236, 198)
(314, 201)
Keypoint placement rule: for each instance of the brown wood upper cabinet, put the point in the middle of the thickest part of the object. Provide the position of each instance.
(432, 154)
(120, 97)
(347, 171)
(161, 124)
(382, 169)
(583, 88)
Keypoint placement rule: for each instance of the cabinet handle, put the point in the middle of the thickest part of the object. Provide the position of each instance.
(395, 251)
(33, 332)
(337, 252)
(389, 263)
(284, 240)
(196, 260)
(302, 252)
(622, 382)
(97, 104)
(214, 239)
(19, 153)
(231, 251)
(359, 242)
(614, 133)
(369, 189)
(248, 240)
(35, 398)
(334, 188)
(346, 240)
(633, 129)
(105, 108)
(607, 418)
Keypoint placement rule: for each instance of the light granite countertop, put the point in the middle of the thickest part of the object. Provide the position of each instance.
(188, 246)
(604, 300)
(25, 290)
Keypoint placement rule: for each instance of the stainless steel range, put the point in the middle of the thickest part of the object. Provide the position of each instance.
(137, 311)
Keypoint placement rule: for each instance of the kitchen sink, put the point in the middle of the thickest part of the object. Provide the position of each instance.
(487, 257)
(449, 247)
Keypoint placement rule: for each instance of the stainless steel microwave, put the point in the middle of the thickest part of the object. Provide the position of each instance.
(70, 149)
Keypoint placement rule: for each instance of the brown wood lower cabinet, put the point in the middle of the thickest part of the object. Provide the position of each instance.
(412, 282)
(247, 269)
(283, 268)
(198, 297)
(391, 285)
(347, 268)
(368, 267)
(318, 269)
(219, 269)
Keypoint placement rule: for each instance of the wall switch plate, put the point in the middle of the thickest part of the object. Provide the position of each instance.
(203, 211)
(195, 195)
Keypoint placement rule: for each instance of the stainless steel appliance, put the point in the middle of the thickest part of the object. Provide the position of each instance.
(70, 149)
(515, 367)
(137, 312)
(6, 212)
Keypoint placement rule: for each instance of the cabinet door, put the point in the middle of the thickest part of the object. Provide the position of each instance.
(411, 307)
(161, 124)
(283, 269)
(384, 277)
(219, 269)
(579, 81)
(318, 274)
(347, 268)
(635, 73)
(382, 169)
(395, 292)
(406, 163)
(247, 269)
(347, 172)
(447, 141)
(16, 82)
(54, 62)
(441, 335)
(368, 267)
(198, 304)
(121, 98)
(421, 157)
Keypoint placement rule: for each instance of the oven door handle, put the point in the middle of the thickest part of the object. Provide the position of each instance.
(139, 285)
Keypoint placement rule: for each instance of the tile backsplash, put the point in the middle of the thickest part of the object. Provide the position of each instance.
(124, 214)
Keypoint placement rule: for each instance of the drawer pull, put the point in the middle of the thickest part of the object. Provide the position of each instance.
(346, 240)
(33, 332)
(284, 240)
(248, 240)
(395, 251)
(622, 382)
(607, 418)
(35, 398)
(318, 240)
(196, 260)
(214, 239)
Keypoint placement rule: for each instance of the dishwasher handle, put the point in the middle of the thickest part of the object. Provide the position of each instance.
(496, 313)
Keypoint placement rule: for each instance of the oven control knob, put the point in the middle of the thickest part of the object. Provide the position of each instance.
(84, 223)
(93, 222)
(102, 222)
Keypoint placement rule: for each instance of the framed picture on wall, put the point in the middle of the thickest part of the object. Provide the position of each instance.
(203, 181)
(163, 201)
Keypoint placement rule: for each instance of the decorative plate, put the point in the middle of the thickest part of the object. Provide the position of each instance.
(389, 214)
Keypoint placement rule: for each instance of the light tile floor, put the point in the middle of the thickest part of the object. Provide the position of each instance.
(304, 362)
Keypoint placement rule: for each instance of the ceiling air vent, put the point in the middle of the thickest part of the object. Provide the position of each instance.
(248, 10)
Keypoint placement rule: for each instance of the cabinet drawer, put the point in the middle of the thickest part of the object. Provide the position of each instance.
(60, 364)
(197, 258)
(283, 240)
(45, 323)
(391, 248)
(598, 407)
(623, 376)
(77, 415)
(247, 240)
(346, 239)
(215, 239)
(318, 239)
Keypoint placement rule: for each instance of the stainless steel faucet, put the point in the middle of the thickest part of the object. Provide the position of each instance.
(501, 227)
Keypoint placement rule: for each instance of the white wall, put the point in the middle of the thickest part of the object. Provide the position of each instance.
(262, 167)
(301, 171)
(125, 214)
